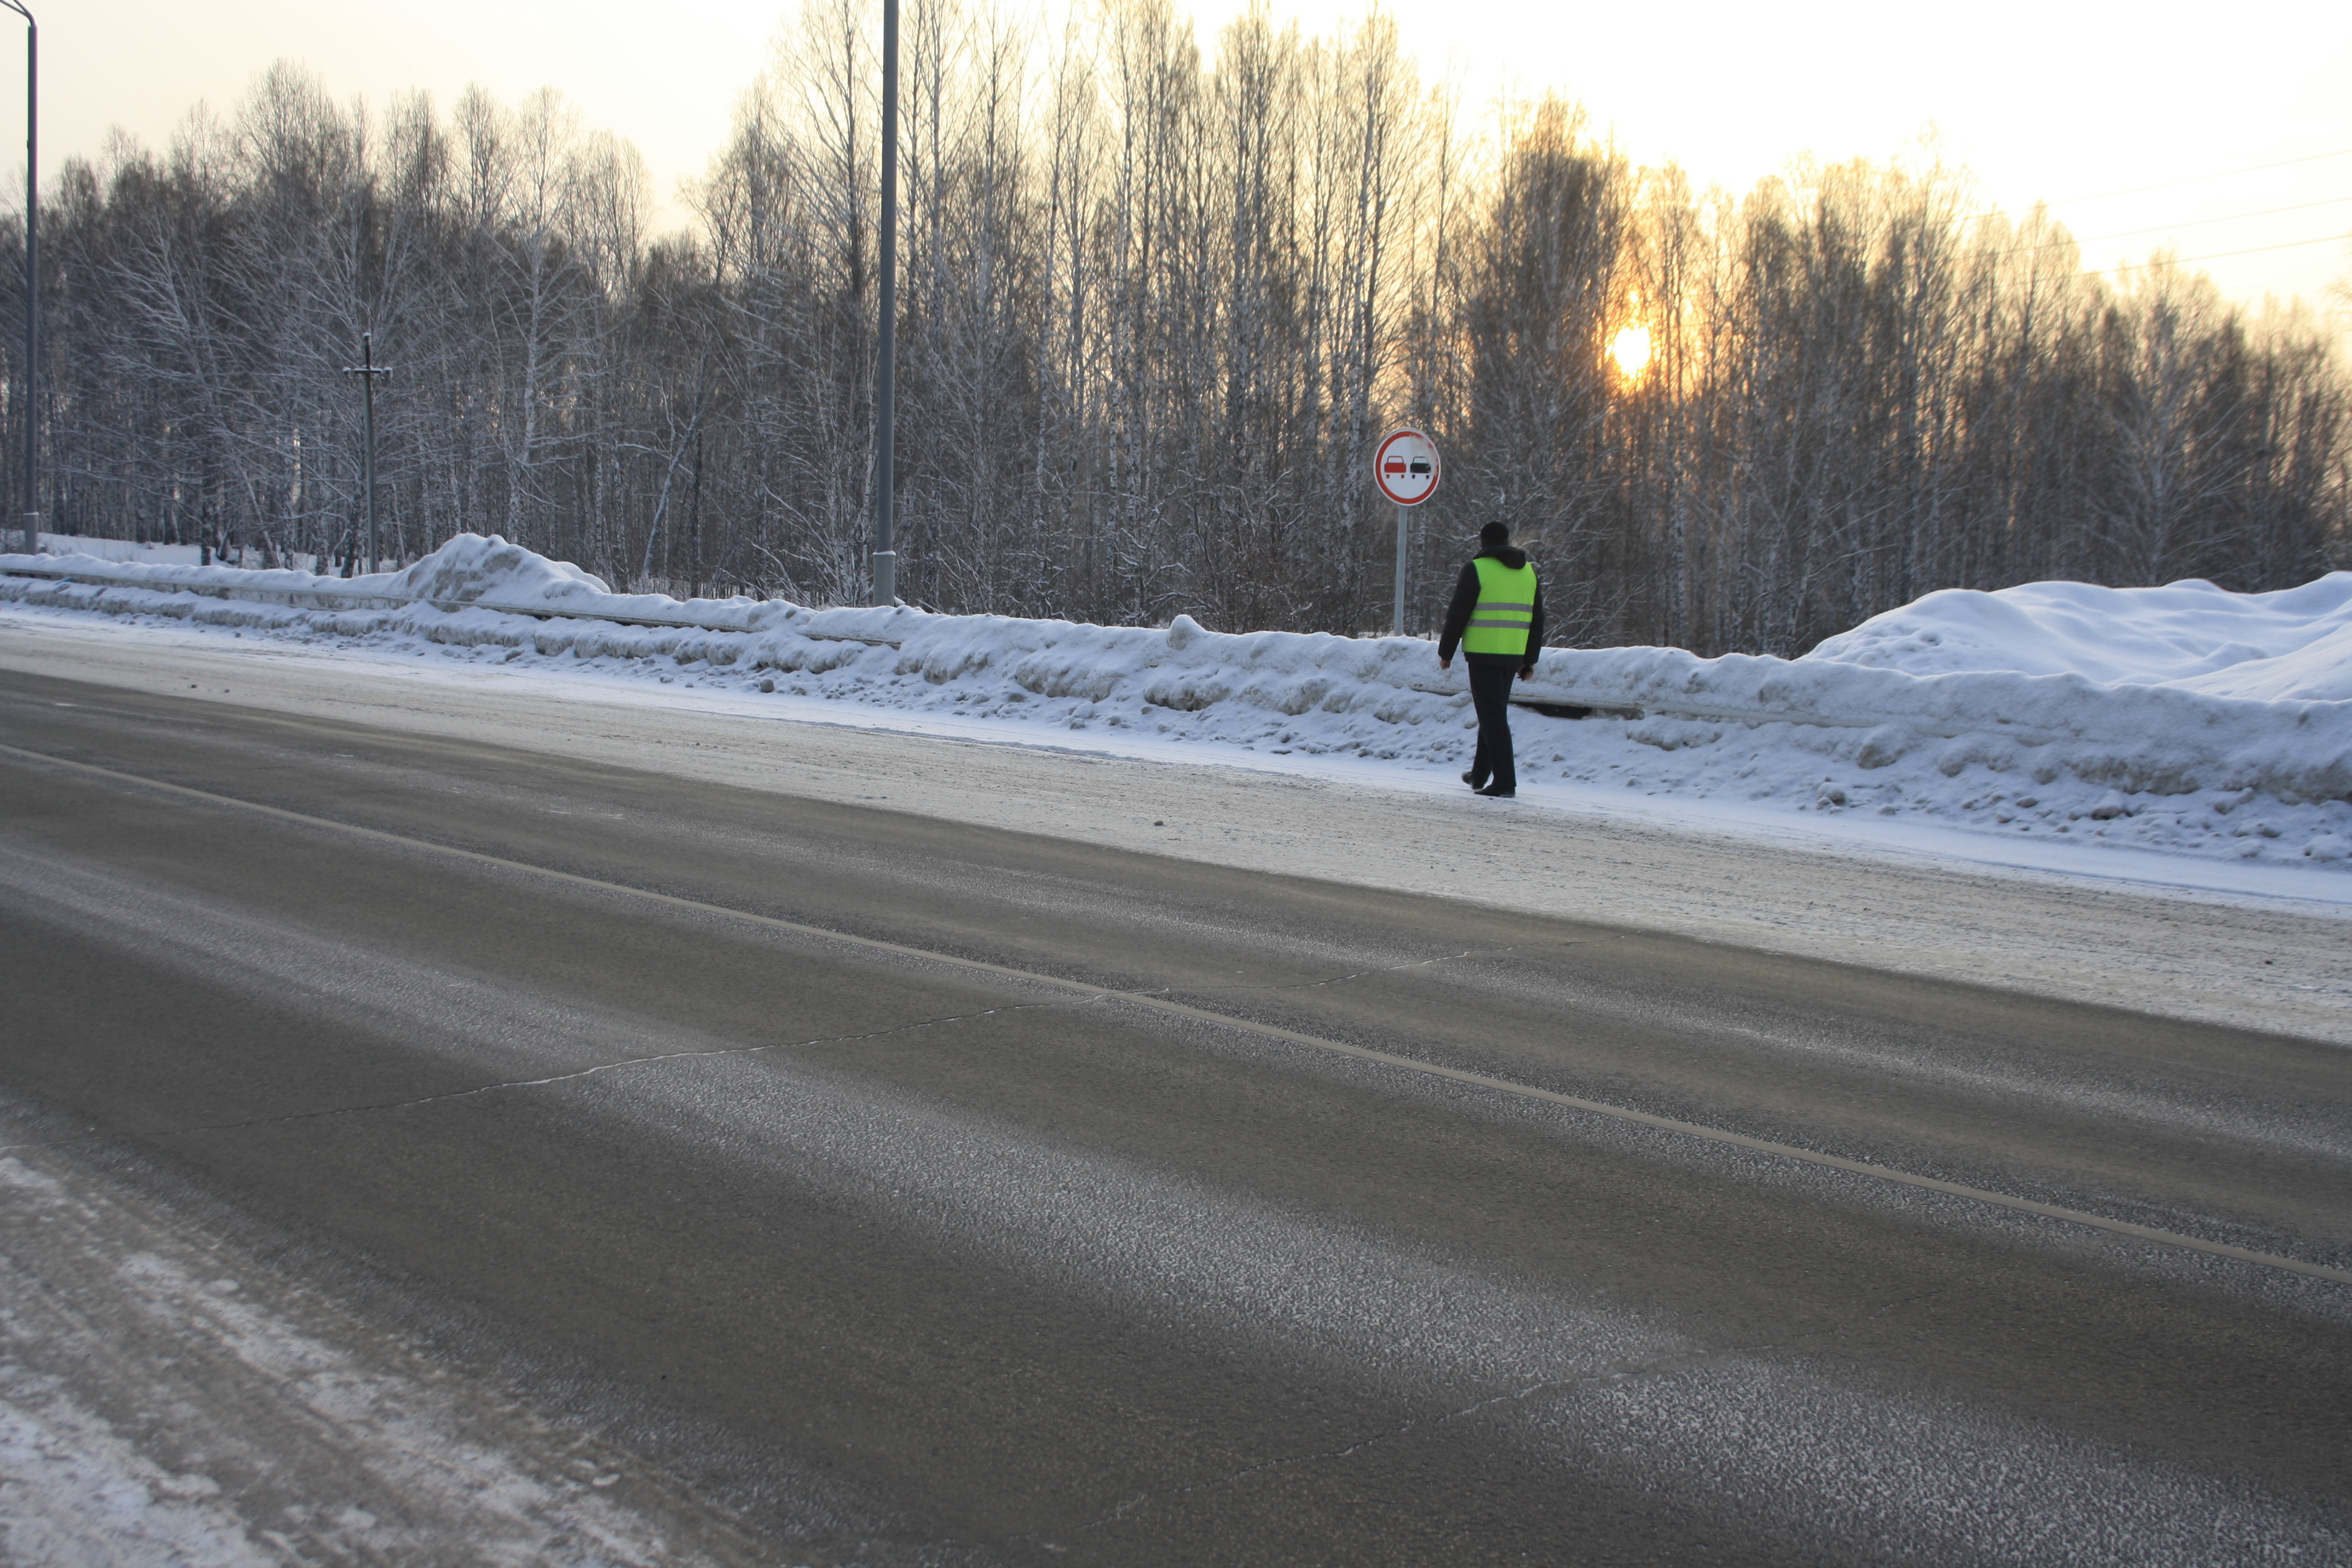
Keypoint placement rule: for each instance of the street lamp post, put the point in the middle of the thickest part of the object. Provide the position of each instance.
(367, 370)
(885, 558)
(32, 270)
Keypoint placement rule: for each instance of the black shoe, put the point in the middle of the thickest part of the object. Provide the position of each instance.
(1496, 791)
(1472, 780)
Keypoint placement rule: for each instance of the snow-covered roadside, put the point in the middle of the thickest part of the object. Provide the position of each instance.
(2181, 719)
(124, 550)
(140, 553)
(171, 1393)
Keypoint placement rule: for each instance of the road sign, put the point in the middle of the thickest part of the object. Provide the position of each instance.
(1406, 467)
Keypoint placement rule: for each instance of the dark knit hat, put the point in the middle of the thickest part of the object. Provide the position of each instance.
(1493, 536)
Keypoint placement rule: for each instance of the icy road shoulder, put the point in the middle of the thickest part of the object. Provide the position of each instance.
(171, 1392)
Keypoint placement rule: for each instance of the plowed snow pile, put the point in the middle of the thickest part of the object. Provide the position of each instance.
(2182, 718)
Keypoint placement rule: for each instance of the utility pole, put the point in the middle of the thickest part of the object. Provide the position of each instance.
(885, 558)
(367, 370)
(31, 389)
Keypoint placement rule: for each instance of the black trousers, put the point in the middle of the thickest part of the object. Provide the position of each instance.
(1490, 694)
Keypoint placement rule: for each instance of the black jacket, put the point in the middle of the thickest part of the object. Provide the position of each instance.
(1466, 600)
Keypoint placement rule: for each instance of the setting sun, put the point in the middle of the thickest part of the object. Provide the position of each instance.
(1631, 349)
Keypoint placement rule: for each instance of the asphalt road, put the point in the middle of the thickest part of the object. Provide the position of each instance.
(1037, 1202)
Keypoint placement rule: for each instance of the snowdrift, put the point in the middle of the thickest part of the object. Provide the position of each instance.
(2295, 645)
(2183, 717)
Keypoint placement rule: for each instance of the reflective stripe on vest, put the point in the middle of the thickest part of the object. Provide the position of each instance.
(1507, 609)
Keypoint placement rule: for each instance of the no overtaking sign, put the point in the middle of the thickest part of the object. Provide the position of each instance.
(1406, 467)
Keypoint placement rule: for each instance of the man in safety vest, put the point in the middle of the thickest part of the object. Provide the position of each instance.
(1497, 619)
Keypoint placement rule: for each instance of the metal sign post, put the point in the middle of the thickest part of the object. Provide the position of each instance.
(1406, 469)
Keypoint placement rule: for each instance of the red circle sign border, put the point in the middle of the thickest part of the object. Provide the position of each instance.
(1436, 464)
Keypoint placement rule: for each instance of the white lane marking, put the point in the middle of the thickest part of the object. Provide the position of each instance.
(1222, 1020)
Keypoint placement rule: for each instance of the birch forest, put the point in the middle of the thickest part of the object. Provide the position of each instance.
(1159, 297)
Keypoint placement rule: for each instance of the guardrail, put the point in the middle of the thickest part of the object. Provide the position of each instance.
(357, 598)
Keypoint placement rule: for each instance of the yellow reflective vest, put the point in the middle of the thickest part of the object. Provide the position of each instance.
(1507, 609)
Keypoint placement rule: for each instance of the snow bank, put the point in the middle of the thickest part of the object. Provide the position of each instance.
(470, 568)
(2264, 647)
(2181, 718)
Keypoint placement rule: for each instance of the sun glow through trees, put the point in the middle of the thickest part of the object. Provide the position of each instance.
(1631, 349)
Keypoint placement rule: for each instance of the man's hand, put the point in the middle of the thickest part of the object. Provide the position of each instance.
(1526, 670)
(1445, 664)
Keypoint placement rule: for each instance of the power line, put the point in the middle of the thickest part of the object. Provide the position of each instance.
(2164, 184)
(2167, 228)
(2218, 254)
(2234, 217)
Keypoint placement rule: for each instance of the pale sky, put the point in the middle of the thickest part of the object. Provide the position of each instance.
(2062, 99)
